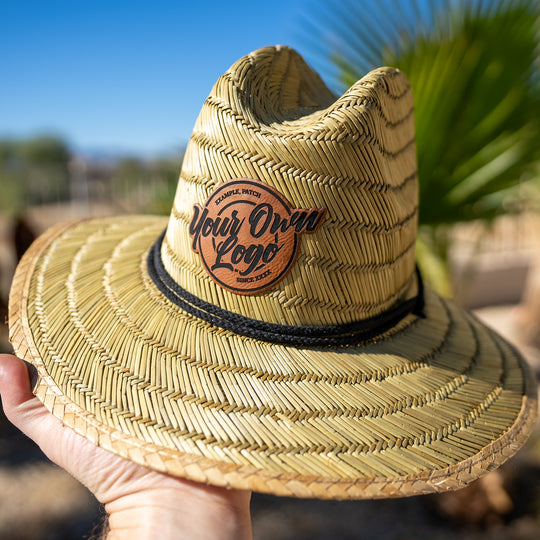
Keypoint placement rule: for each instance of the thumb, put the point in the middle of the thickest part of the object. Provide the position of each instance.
(96, 468)
(59, 443)
(20, 405)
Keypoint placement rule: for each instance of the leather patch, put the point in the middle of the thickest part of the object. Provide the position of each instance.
(247, 234)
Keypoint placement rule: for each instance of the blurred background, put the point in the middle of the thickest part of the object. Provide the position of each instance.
(97, 103)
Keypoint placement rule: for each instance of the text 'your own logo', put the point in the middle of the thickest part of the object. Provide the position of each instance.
(247, 234)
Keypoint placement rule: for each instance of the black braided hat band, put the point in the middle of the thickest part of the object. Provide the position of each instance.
(351, 333)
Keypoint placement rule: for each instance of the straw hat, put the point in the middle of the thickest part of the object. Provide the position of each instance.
(273, 333)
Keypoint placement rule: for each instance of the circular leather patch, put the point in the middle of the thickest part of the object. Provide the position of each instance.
(247, 234)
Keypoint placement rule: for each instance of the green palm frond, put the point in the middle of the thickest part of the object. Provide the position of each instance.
(473, 67)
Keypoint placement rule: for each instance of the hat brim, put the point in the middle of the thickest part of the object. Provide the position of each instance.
(429, 406)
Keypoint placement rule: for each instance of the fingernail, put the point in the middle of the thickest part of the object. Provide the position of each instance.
(32, 373)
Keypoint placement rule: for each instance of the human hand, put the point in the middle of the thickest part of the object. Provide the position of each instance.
(141, 503)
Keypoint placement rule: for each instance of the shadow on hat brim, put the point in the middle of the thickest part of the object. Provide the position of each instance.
(430, 406)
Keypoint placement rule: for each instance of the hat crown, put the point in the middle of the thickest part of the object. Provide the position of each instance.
(271, 119)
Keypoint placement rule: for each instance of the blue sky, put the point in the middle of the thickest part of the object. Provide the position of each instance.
(127, 76)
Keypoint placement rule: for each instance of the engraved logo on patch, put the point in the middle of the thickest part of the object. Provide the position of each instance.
(247, 234)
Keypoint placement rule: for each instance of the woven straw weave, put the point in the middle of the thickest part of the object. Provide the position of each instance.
(354, 156)
(429, 406)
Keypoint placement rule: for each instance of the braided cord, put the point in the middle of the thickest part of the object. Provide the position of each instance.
(351, 333)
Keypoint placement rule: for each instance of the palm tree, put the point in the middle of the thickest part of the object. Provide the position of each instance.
(473, 67)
